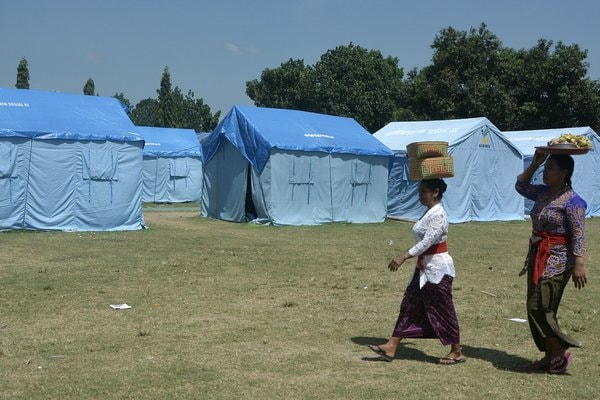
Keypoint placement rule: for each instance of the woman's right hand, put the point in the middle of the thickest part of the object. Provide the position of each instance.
(538, 158)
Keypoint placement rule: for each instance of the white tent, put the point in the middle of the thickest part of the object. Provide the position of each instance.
(485, 166)
(586, 176)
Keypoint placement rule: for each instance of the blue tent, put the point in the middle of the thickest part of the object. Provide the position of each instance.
(485, 166)
(586, 176)
(172, 166)
(202, 136)
(68, 162)
(293, 168)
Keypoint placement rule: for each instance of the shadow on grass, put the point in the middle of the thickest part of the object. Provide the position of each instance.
(404, 352)
(500, 359)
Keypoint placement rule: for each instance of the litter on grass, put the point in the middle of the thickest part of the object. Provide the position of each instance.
(123, 306)
(517, 319)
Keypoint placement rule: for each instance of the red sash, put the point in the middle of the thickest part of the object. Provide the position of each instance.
(434, 249)
(543, 251)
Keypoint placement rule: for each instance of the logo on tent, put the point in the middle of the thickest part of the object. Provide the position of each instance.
(485, 138)
(319, 135)
(13, 104)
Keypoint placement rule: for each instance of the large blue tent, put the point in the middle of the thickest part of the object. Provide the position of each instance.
(293, 168)
(172, 166)
(586, 176)
(485, 166)
(68, 162)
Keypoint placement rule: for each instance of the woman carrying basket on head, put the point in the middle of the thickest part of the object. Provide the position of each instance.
(556, 254)
(427, 310)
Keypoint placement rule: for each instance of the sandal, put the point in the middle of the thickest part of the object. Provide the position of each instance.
(452, 360)
(379, 351)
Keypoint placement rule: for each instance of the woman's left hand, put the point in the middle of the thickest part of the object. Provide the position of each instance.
(579, 276)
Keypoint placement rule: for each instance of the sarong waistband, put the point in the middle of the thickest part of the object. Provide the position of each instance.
(543, 250)
(434, 249)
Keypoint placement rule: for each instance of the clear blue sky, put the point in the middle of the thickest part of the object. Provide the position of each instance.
(214, 47)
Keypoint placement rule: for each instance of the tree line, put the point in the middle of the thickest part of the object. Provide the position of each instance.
(171, 109)
(471, 75)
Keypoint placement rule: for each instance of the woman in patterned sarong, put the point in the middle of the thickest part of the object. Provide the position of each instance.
(556, 255)
(427, 310)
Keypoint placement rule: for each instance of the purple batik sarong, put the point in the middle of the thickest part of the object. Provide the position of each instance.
(428, 312)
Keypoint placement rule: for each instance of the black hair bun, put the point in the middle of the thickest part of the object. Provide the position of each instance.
(443, 186)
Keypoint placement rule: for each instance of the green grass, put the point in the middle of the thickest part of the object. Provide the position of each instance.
(224, 310)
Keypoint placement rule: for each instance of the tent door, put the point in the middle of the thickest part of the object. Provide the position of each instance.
(250, 209)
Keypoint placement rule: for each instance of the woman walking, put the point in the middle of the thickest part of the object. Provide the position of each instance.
(556, 255)
(427, 310)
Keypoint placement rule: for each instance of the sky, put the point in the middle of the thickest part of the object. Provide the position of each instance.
(214, 47)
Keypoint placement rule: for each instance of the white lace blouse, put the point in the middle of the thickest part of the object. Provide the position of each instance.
(432, 228)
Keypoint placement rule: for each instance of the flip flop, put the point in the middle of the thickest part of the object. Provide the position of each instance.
(452, 361)
(379, 351)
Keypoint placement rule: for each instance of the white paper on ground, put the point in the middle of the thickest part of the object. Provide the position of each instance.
(517, 319)
(123, 306)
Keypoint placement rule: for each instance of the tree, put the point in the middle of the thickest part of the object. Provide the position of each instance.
(284, 87)
(355, 82)
(552, 88)
(145, 113)
(465, 79)
(125, 102)
(405, 110)
(22, 74)
(473, 75)
(347, 81)
(166, 105)
(192, 113)
(89, 88)
(185, 111)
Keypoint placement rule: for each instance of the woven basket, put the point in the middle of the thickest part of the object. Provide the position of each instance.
(430, 168)
(427, 149)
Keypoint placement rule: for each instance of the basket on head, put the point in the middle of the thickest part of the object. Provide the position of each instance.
(430, 168)
(427, 149)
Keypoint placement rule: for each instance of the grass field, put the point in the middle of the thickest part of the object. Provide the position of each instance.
(225, 311)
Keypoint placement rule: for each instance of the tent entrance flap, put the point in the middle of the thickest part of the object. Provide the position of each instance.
(250, 209)
(225, 184)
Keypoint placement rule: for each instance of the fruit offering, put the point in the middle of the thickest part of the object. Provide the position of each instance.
(569, 138)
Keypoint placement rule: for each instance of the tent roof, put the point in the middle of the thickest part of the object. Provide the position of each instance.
(202, 136)
(397, 135)
(527, 141)
(51, 115)
(256, 130)
(170, 142)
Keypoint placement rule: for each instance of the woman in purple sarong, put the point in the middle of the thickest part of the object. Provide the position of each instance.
(556, 255)
(427, 310)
